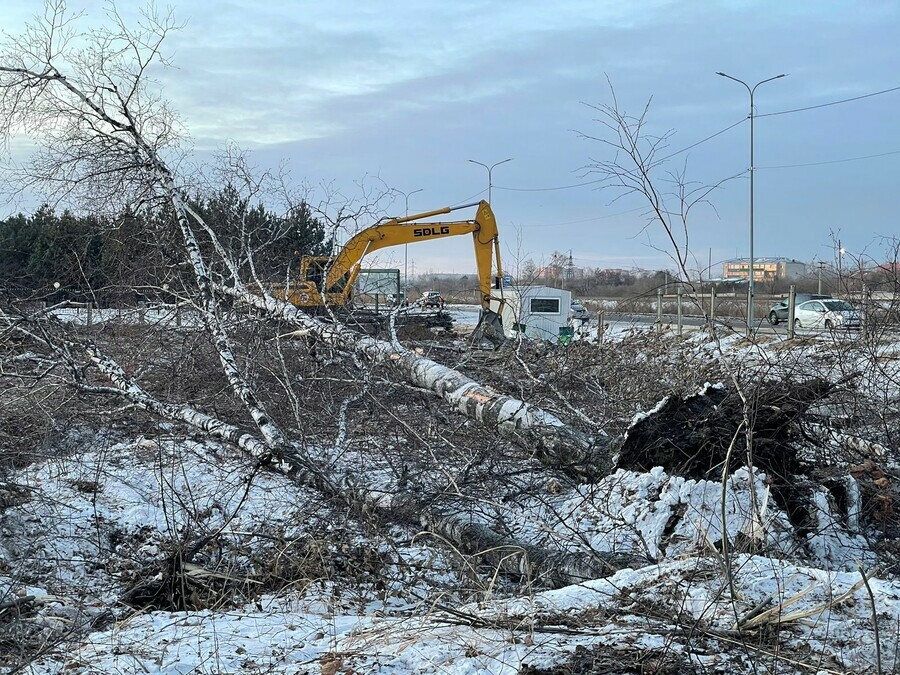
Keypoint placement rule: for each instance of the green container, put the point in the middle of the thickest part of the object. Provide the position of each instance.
(566, 333)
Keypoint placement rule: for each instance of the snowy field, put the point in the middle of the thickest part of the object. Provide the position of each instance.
(732, 584)
(824, 604)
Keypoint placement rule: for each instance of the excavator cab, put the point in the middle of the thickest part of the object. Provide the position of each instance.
(314, 270)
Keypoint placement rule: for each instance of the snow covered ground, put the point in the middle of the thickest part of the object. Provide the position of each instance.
(120, 503)
(94, 521)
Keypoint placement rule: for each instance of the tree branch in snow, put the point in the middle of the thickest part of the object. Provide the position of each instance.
(508, 555)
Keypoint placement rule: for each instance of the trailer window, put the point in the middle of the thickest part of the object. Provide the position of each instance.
(545, 305)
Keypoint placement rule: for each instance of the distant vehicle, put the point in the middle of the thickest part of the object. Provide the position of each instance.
(577, 312)
(432, 299)
(779, 311)
(827, 314)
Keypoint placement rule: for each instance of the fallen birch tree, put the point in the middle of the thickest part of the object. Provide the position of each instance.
(100, 120)
(101, 130)
(554, 443)
(498, 552)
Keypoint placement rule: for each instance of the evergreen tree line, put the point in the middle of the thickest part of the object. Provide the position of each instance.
(132, 254)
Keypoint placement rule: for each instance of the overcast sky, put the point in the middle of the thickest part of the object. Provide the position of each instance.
(409, 91)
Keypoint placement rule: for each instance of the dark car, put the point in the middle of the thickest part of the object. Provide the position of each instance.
(577, 312)
(779, 312)
(432, 299)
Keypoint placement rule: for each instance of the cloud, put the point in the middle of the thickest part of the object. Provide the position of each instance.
(409, 91)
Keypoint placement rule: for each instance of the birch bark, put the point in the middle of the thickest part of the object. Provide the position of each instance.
(552, 442)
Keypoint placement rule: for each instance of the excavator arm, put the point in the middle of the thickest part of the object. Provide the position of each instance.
(328, 281)
(345, 267)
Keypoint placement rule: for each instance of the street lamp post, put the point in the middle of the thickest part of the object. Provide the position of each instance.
(489, 170)
(841, 251)
(751, 91)
(821, 267)
(406, 196)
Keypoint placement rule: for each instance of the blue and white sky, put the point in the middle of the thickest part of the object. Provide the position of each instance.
(409, 91)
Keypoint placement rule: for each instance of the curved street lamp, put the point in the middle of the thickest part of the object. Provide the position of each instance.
(751, 91)
(489, 170)
(406, 196)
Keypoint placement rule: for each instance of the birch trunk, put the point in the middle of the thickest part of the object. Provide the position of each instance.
(552, 442)
(123, 130)
(510, 556)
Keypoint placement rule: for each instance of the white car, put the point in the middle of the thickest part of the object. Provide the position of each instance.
(826, 314)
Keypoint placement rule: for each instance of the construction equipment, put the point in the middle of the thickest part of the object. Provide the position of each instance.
(327, 282)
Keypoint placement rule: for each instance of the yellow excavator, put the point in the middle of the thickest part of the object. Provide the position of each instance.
(328, 281)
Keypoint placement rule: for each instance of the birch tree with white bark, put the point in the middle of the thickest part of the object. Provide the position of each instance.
(106, 138)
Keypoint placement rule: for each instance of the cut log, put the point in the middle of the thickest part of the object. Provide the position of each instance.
(551, 441)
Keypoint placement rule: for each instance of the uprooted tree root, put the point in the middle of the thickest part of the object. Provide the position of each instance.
(694, 436)
(691, 436)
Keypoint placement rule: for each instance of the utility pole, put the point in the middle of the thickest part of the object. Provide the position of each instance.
(569, 272)
(489, 170)
(751, 91)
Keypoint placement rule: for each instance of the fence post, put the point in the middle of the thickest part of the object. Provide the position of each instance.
(680, 322)
(864, 328)
(659, 301)
(712, 307)
(792, 296)
(90, 311)
(600, 327)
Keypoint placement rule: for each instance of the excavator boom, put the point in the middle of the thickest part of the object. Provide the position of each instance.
(328, 281)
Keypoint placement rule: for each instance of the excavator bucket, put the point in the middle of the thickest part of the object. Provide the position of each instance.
(489, 331)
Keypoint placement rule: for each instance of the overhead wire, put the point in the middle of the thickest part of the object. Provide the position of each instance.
(831, 161)
(708, 138)
(549, 189)
(600, 180)
(588, 220)
(830, 103)
(468, 199)
(825, 105)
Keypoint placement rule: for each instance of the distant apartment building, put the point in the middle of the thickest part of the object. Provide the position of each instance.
(764, 269)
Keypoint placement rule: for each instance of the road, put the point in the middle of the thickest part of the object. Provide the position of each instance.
(617, 319)
(467, 315)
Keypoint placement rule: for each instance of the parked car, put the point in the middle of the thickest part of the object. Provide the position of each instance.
(432, 299)
(828, 314)
(779, 311)
(577, 312)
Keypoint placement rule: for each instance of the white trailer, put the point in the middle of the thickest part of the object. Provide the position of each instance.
(537, 312)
